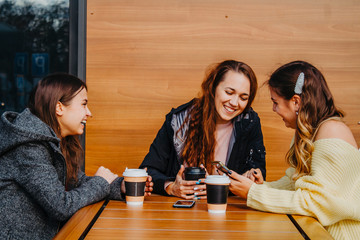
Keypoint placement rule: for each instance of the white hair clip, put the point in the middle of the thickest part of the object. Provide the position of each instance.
(299, 83)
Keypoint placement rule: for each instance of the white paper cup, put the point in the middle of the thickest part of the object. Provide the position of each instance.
(135, 182)
(217, 189)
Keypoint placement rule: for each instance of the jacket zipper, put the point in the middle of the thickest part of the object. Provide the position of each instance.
(250, 160)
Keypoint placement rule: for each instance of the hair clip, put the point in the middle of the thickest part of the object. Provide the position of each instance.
(299, 83)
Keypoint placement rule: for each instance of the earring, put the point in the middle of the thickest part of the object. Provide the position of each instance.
(297, 113)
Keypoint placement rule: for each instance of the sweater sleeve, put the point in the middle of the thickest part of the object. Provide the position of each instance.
(39, 178)
(284, 183)
(331, 192)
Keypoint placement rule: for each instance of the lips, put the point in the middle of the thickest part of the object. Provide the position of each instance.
(83, 122)
(229, 109)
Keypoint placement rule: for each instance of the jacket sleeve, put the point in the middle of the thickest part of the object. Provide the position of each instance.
(158, 160)
(115, 186)
(256, 157)
(38, 177)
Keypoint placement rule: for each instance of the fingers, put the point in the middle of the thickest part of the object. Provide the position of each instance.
(149, 180)
(148, 191)
(181, 171)
(148, 188)
(192, 191)
(257, 172)
(106, 174)
(236, 176)
(199, 191)
(149, 185)
(206, 172)
(194, 195)
(256, 176)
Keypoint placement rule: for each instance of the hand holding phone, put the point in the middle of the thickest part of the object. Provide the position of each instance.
(184, 204)
(219, 165)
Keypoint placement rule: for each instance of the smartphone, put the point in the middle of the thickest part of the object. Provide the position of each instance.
(184, 204)
(221, 167)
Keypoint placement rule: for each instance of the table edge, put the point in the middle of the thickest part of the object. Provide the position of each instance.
(77, 226)
(306, 225)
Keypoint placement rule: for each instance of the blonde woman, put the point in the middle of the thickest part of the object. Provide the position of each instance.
(323, 180)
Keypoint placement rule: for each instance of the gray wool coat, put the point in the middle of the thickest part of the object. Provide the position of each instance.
(33, 199)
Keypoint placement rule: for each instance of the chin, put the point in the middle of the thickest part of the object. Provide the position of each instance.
(226, 119)
(79, 132)
(287, 125)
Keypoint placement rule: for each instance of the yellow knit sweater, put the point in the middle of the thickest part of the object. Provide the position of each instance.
(331, 193)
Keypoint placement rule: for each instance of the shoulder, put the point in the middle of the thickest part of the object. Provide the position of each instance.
(253, 115)
(178, 110)
(182, 107)
(33, 149)
(336, 129)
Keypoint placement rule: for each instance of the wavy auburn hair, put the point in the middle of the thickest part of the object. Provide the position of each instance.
(54, 88)
(200, 141)
(317, 104)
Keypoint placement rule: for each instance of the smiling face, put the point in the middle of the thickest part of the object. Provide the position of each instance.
(72, 118)
(285, 108)
(231, 96)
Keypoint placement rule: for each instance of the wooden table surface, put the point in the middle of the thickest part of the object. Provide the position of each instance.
(157, 219)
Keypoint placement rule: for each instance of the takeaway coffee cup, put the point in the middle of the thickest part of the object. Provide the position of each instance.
(135, 182)
(217, 189)
(194, 173)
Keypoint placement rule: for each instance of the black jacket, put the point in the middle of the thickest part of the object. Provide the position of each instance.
(247, 152)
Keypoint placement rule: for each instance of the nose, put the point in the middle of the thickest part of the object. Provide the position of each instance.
(234, 100)
(88, 113)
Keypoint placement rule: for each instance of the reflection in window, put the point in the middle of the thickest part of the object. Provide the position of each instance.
(34, 41)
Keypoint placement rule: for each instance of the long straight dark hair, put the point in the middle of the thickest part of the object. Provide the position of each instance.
(200, 140)
(54, 88)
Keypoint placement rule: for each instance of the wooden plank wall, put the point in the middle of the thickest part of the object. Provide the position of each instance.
(145, 57)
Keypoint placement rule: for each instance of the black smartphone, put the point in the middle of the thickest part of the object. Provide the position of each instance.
(219, 165)
(184, 204)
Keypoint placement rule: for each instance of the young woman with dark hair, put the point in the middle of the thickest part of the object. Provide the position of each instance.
(323, 180)
(220, 125)
(41, 185)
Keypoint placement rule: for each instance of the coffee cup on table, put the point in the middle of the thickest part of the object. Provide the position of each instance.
(217, 189)
(135, 182)
(194, 173)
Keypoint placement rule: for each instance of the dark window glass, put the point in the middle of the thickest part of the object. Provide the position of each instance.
(34, 41)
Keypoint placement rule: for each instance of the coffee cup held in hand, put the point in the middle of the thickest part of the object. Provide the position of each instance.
(217, 189)
(194, 173)
(135, 182)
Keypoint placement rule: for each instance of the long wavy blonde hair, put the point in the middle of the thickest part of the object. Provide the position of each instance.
(317, 105)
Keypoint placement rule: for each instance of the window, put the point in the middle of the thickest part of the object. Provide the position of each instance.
(34, 41)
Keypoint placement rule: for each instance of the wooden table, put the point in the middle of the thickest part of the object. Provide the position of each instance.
(157, 219)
